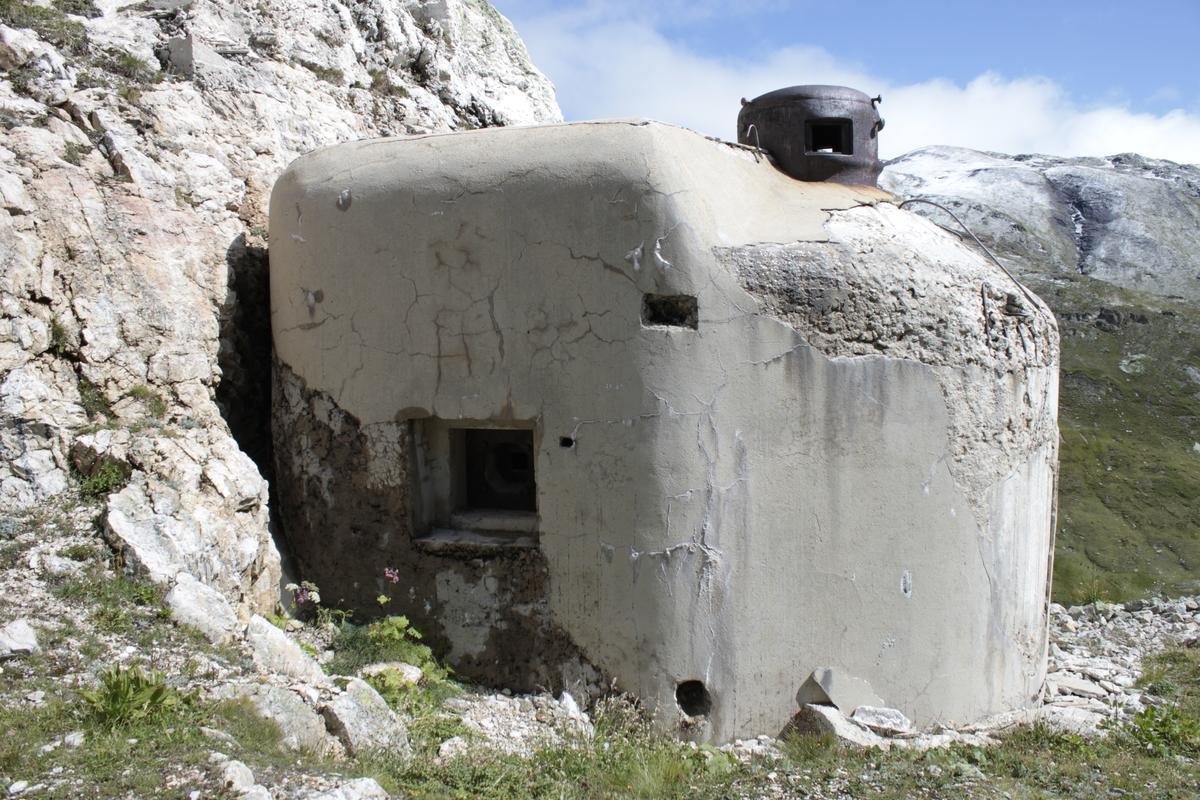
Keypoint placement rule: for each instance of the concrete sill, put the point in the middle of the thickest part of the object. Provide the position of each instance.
(494, 521)
(451, 541)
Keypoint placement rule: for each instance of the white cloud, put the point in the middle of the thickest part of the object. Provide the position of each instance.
(608, 63)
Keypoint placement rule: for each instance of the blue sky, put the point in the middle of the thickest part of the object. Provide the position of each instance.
(1057, 76)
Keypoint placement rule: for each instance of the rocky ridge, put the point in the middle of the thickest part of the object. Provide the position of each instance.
(140, 145)
(1126, 219)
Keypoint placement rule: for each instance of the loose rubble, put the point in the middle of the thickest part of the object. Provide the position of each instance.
(1096, 654)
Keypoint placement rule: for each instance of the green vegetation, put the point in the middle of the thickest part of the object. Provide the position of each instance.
(22, 79)
(86, 79)
(1154, 756)
(127, 696)
(105, 478)
(94, 402)
(809, 749)
(73, 153)
(130, 93)
(422, 705)
(328, 74)
(1130, 417)
(140, 726)
(626, 759)
(389, 639)
(1174, 730)
(50, 24)
(81, 552)
(156, 406)
(133, 68)
(60, 342)
(80, 8)
(11, 552)
(131, 757)
(133, 729)
(278, 620)
(381, 84)
(118, 603)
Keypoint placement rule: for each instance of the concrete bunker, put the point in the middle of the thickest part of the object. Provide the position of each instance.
(621, 403)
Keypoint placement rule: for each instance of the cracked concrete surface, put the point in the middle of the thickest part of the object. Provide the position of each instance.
(848, 462)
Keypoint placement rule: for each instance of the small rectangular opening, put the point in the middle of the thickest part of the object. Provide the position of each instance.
(496, 469)
(675, 310)
(474, 485)
(829, 136)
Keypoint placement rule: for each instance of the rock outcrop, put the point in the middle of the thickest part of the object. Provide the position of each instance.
(1126, 219)
(140, 145)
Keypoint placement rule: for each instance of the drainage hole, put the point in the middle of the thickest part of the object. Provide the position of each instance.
(566, 441)
(693, 699)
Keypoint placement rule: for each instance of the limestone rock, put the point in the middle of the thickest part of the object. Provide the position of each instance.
(451, 749)
(133, 247)
(39, 403)
(358, 789)
(1082, 687)
(410, 674)
(18, 638)
(237, 777)
(204, 608)
(829, 686)
(885, 721)
(820, 719)
(363, 721)
(196, 504)
(302, 728)
(1071, 720)
(57, 566)
(274, 652)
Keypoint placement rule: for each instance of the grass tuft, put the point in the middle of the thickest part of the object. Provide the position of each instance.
(80, 8)
(60, 341)
(109, 476)
(328, 74)
(128, 695)
(134, 69)
(156, 406)
(94, 403)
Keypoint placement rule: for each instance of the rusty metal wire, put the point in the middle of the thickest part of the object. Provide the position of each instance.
(1028, 295)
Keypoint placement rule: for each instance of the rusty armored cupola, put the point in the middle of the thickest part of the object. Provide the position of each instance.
(816, 133)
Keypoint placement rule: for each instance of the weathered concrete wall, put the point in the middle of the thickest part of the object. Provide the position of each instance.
(849, 461)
